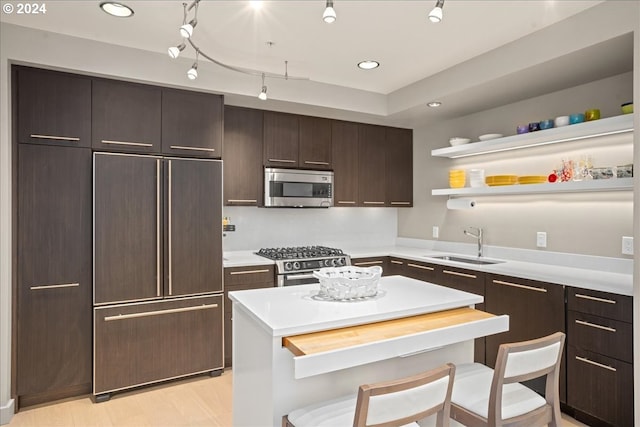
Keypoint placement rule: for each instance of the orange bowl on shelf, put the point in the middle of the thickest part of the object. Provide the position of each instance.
(532, 179)
(494, 180)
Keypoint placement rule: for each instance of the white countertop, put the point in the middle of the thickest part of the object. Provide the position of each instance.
(292, 310)
(599, 277)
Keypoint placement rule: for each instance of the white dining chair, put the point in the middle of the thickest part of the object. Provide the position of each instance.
(494, 397)
(384, 404)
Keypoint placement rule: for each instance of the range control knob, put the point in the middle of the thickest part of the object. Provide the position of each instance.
(296, 265)
(287, 266)
(327, 262)
(340, 261)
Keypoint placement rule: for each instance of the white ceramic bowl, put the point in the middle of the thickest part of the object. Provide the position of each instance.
(345, 283)
(489, 136)
(459, 141)
(561, 121)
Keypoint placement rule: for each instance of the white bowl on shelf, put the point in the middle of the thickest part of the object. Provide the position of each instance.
(459, 141)
(488, 136)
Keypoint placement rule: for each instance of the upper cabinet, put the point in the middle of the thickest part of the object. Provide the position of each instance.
(344, 150)
(399, 191)
(280, 139)
(53, 108)
(242, 156)
(125, 116)
(315, 143)
(372, 150)
(192, 123)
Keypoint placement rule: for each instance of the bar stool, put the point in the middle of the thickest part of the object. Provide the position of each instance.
(486, 397)
(390, 403)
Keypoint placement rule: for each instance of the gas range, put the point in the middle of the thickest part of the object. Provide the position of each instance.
(295, 265)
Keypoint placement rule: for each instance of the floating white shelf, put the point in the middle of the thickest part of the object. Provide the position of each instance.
(596, 128)
(614, 184)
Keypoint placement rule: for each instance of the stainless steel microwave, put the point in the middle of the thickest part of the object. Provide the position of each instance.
(298, 188)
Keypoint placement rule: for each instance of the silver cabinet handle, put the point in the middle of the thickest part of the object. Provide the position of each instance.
(455, 273)
(58, 138)
(373, 203)
(600, 365)
(401, 203)
(393, 261)
(593, 325)
(235, 273)
(57, 286)
(158, 173)
(137, 144)
(241, 201)
(310, 162)
(183, 147)
(159, 312)
(368, 263)
(422, 267)
(516, 285)
(282, 160)
(346, 202)
(169, 204)
(299, 276)
(589, 297)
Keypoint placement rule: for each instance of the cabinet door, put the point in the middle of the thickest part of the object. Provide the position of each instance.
(535, 309)
(138, 344)
(280, 142)
(192, 123)
(127, 224)
(53, 108)
(315, 143)
(193, 227)
(125, 116)
(371, 165)
(243, 157)
(399, 165)
(53, 358)
(344, 148)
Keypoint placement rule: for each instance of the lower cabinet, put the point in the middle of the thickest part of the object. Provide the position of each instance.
(143, 343)
(382, 261)
(241, 279)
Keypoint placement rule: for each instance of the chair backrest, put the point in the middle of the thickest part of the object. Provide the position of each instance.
(399, 402)
(526, 360)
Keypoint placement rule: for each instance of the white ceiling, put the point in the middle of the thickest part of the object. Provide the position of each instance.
(396, 33)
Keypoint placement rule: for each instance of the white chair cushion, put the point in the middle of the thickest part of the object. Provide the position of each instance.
(471, 389)
(338, 412)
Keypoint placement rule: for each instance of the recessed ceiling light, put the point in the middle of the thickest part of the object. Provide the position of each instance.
(434, 104)
(116, 9)
(368, 64)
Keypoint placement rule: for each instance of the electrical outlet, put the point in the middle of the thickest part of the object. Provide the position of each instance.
(627, 245)
(541, 239)
(436, 231)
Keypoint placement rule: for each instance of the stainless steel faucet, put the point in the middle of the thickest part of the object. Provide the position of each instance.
(477, 235)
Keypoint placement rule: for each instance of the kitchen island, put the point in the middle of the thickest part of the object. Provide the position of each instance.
(284, 359)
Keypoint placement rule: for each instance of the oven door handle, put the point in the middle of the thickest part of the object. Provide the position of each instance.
(299, 276)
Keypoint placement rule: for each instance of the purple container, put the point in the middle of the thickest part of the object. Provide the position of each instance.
(534, 126)
(522, 129)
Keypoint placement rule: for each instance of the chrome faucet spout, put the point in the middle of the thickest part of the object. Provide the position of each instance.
(477, 235)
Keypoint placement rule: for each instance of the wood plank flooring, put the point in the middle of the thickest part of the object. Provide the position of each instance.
(199, 401)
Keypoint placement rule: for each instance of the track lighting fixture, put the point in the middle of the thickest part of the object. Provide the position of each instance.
(329, 15)
(263, 92)
(174, 51)
(186, 30)
(193, 71)
(436, 13)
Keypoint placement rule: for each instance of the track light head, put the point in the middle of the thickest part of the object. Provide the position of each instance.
(263, 94)
(174, 51)
(436, 13)
(329, 16)
(186, 31)
(193, 71)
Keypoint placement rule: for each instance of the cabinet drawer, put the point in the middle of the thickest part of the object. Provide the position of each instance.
(461, 279)
(420, 270)
(603, 304)
(137, 344)
(248, 275)
(604, 336)
(372, 262)
(600, 386)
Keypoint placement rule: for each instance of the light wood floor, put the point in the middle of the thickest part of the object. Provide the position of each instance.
(200, 401)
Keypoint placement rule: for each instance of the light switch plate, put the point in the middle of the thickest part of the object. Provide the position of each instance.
(541, 239)
(627, 245)
(436, 231)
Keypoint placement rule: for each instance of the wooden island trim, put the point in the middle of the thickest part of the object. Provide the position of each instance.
(335, 339)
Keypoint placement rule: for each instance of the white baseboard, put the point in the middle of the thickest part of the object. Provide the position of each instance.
(6, 412)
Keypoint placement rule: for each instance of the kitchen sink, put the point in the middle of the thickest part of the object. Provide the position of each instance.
(476, 261)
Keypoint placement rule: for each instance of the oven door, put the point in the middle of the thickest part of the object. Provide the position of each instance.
(296, 279)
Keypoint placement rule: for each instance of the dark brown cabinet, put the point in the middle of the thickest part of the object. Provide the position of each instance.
(136, 344)
(344, 149)
(600, 357)
(53, 341)
(280, 140)
(243, 157)
(535, 309)
(125, 116)
(53, 108)
(371, 165)
(399, 167)
(314, 143)
(371, 262)
(240, 279)
(421, 270)
(192, 123)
